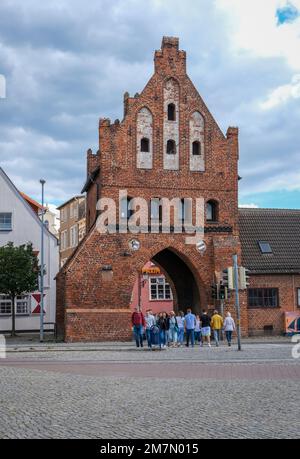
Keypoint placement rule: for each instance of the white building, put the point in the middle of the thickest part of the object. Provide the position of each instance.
(20, 224)
(51, 218)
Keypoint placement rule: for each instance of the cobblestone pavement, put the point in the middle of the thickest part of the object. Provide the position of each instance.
(178, 393)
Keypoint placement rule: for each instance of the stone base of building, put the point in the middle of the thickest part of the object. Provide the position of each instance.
(101, 326)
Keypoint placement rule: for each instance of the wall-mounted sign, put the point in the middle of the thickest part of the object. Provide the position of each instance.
(153, 270)
(292, 323)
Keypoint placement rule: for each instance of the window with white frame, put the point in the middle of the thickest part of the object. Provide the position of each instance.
(74, 236)
(5, 221)
(159, 289)
(22, 305)
(5, 305)
(64, 240)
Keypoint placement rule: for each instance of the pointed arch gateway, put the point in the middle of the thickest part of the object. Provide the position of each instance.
(184, 283)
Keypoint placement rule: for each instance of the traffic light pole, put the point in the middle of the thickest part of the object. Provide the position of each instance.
(237, 302)
(222, 314)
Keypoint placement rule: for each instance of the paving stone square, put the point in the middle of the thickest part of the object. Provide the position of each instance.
(117, 391)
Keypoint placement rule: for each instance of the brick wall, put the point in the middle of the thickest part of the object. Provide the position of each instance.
(287, 286)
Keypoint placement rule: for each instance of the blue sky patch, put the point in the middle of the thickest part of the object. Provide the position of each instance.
(281, 199)
(287, 13)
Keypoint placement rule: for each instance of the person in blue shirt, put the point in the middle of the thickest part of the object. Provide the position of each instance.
(190, 324)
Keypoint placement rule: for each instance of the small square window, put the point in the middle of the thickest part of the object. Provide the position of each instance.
(265, 247)
(5, 221)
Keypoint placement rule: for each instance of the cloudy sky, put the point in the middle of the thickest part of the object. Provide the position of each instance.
(68, 62)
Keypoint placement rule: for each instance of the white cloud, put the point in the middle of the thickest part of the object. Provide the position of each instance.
(249, 206)
(283, 94)
(253, 28)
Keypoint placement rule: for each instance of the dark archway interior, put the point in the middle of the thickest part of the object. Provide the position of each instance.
(187, 291)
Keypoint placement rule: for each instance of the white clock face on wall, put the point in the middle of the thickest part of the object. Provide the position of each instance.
(134, 245)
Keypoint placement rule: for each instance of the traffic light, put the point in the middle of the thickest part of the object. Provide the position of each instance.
(243, 278)
(214, 292)
(228, 278)
(224, 293)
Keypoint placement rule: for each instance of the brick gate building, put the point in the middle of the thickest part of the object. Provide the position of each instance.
(167, 145)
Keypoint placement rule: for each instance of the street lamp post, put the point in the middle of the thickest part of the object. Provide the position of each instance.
(42, 182)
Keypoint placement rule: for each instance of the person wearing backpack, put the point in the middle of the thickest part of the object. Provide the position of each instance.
(150, 322)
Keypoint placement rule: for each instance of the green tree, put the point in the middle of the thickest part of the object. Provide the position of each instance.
(19, 272)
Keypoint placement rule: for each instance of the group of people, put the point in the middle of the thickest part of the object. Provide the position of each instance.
(170, 330)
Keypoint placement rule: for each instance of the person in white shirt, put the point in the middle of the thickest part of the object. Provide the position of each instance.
(180, 323)
(229, 327)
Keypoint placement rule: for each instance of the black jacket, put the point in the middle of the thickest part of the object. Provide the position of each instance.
(163, 323)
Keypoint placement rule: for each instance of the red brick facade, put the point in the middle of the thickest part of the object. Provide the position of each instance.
(287, 286)
(94, 304)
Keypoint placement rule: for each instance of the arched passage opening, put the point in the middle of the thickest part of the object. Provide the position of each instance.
(167, 283)
(186, 289)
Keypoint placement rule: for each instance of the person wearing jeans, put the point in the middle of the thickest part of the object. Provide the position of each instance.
(190, 323)
(198, 330)
(180, 323)
(163, 325)
(150, 322)
(138, 322)
(229, 327)
(173, 329)
(216, 324)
